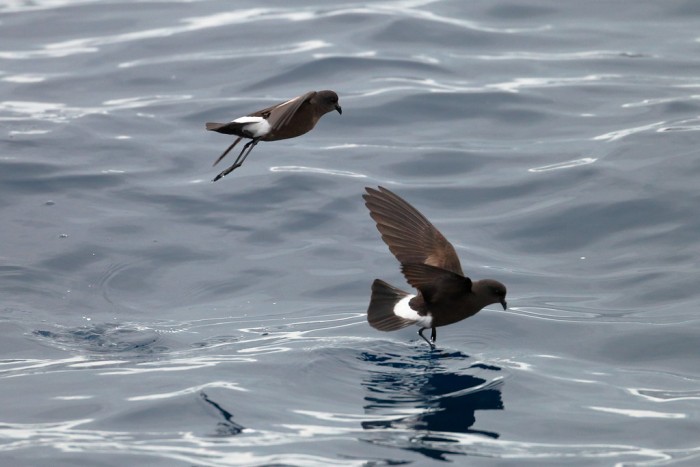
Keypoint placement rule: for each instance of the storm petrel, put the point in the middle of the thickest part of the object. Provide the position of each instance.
(430, 264)
(289, 119)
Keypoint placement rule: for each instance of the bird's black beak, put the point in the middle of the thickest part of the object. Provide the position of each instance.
(340, 111)
(505, 305)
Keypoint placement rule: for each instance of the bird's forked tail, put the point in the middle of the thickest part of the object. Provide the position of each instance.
(380, 313)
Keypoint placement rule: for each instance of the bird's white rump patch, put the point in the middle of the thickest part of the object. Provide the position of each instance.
(248, 119)
(404, 310)
(256, 126)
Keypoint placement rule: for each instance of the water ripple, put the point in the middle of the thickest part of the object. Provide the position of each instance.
(57, 112)
(70, 437)
(403, 8)
(661, 395)
(564, 165)
(619, 134)
(299, 47)
(503, 449)
(189, 390)
(512, 86)
(408, 9)
(316, 170)
(636, 413)
(556, 56)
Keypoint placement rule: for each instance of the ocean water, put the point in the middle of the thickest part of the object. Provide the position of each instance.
(151, 317)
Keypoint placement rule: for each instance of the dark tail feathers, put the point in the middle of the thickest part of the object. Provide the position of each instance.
(230, 128)
(380, 313)
(213, 126)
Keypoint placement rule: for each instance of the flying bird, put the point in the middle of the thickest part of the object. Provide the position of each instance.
(289, 119)
(430, 264)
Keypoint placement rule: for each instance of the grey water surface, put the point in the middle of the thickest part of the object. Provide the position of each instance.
(151, 317)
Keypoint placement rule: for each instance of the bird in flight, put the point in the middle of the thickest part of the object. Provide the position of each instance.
(289, 119)
(430, 264)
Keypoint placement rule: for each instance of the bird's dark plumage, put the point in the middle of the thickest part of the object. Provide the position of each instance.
(381, 308)
(285, 120)
(430, 264)
(410, 236)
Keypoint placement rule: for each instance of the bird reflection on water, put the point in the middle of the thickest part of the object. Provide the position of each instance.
(421, 395)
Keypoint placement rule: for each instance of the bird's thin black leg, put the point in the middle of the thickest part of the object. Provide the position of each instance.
(239, 160)
(420, 333)
(252, 145)
(227, 151)
(433, 335)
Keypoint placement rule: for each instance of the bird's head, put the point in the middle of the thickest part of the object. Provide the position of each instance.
(328, 100)
(494, 291)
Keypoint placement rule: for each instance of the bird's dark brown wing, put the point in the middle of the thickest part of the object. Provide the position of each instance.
(436, 284)
(409, 235)
(280, 114)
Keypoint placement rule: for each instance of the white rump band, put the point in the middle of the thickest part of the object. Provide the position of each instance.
(404, 310)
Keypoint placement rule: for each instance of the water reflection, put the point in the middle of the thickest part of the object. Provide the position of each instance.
(226, 427)
(424, 395)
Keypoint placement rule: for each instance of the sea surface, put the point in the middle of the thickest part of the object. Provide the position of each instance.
(151, 317)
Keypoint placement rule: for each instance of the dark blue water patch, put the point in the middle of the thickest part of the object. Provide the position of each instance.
(111, 339)
(340, 69)
(347, 289)
(588, 224)
(74, 260)
(680, 107)
(686, 9)
(455, 106)
(45, 178)
(15, 176)
(439, 163)
(300, 221)
(484, 366)
(484, 196)
(448, 401)
(412, 31)
(61, 23)
(196, 209)
(436, 355)
(17, 147)
(20, 280)
(227, 426)
(666, 349)
(518, 12)
(215, 341)
(192, 412)
(659, 289)
(285, 191)
(231, 283)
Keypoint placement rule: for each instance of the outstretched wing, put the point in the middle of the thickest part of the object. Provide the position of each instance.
(276, 116)
(436, 284)
(279, 115)
(409, 235)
